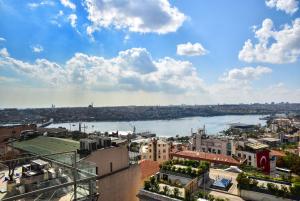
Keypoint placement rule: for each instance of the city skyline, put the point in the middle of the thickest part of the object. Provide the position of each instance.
(72, 53)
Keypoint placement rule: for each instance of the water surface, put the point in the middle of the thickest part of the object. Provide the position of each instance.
(172, 127)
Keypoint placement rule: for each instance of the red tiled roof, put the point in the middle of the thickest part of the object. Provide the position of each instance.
(148, 168)
(209, 157)
(277, 153)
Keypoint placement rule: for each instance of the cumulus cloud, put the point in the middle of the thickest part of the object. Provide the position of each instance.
(2, 39)
(132, 69)
(156, 16)
(37, 48)
(245, 74)
(190, 49)
(4, 52)
(288, 6)
(273, 46)
(68, 4)
(73, 20)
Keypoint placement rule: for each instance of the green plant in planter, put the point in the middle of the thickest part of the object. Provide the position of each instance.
(176, 192)
(166, 190)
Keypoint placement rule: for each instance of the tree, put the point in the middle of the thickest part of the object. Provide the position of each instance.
(10, 161)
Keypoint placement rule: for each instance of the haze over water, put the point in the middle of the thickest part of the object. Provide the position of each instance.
(169, 128)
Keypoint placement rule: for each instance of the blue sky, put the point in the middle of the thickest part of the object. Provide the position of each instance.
(152, 52)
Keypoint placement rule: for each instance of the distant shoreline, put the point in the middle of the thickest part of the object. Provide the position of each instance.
(141, 113)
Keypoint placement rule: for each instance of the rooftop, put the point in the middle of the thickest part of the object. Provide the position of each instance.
(47, 145)
(148, 168)
(257, 146)
(214, 158)
(270, 139)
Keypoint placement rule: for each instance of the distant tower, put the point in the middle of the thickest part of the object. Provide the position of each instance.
(79, 126)
(134, 130)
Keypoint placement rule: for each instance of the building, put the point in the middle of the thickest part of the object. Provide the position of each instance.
(213, 159)
(156, 150)
(175, 176)
(14, 131)
(118, 177)
(211, 144)
(272, 142)
(257, 155)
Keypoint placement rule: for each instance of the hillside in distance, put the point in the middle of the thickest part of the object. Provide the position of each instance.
(133, 113)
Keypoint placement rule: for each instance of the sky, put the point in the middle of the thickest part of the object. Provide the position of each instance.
(148, 52)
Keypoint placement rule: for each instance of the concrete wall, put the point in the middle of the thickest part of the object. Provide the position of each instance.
(117, 157)
(123, 182)
(256, 196)
(121, 186)
(150, 196)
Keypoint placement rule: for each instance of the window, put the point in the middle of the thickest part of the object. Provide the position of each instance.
(239, 155)
(164, 151)
(158, 156)
(203, 149)
(111, 167)
(158, 145)
(150, 150)
(164, 157)
(96, 170)
(209, 149)
(249, 157)
(219, 151)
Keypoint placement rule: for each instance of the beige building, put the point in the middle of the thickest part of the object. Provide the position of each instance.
(156, 150)
(118, 179)
(211, 144)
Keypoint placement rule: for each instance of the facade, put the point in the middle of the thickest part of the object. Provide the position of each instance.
(117, 178)
(257, 155)
(213, 159)
(211, 144)
(156, 150)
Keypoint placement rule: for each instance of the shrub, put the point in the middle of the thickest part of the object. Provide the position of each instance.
(166, 190)
(147, 185)
(176, 192)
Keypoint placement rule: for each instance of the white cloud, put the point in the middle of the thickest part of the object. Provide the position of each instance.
(132, 69)
(288, 6)
(37, 48)
(2, 39)
(245, 74)
(273, 46)
(73, 20)
(42, 3)
(190, 49)
(68, 3)
(4, 52)
(156, 16)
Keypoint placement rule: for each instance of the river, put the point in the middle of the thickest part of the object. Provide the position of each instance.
(168, 128)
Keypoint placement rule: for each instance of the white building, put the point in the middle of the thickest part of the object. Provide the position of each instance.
(156, 150)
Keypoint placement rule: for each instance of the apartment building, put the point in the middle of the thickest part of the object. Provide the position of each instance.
(257, 155)
(211, 144)
(156, 150)
(118, 178)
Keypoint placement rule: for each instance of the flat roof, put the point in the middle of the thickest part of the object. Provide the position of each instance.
(40, 162)
(47, 145)
(210, 157)
(270, 139)
(257, 146)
